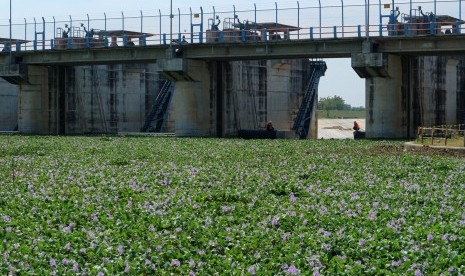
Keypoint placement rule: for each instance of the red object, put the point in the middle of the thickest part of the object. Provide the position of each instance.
(269, 126)
(356, 126)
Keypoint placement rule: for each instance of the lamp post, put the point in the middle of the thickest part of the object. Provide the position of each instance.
(171, 30)
(9, 63)
(171, 21)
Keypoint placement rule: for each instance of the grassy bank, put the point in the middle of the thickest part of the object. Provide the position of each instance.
(144, 205)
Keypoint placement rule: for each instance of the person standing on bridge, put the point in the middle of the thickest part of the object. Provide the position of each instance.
(65, 31)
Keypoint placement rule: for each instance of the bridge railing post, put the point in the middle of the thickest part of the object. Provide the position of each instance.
(70, 43)
(105, 41)
(457, 27)
(221, 36)
(164, 38)
(125, 40)
(359, 31)
(143, 40)
(335, 31)
(51, 44)
(311, 33)
(265, 34)
(381, 29)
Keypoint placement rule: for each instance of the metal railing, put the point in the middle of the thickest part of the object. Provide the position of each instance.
(447, 135)
(317, 21)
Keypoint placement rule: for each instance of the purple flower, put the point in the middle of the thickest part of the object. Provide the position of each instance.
(292, 270)
(120, 249)
(126, 267)
(396, 263)
(53, 263)
(275, 221)
(175, 262)
(316, 272)
(100, 273)
(191, 273)
(75, 267)
(292, 198)
(429, 237)
(251, 270)
(418, 272)
(94, 217)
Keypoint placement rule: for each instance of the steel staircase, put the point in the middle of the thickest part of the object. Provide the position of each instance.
(303, 118)
(157, 113)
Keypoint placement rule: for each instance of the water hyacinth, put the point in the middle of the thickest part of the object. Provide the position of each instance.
(159, 206)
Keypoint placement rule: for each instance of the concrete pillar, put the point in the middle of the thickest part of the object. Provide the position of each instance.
(8, 106)
(192, 102)
(34, 103)
(384, 103)
(451, 84)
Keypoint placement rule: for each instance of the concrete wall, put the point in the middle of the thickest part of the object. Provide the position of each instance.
(419, 91)
(34, 102)
(227, 96)
(384, 103)
(222, 98)
(8, 106)
(192, 102)
(256, 92)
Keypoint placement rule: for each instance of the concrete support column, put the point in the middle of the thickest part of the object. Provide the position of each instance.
(8, 106)
(384, 103)
(193, 102)
(451, 84)
(34, 103)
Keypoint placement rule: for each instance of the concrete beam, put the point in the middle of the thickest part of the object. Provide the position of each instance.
(422, 46)
(283, 49)
(370, 65)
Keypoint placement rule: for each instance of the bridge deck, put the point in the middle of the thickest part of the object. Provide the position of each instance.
(285, 49)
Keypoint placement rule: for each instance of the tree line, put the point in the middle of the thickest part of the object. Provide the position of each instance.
(336, 103)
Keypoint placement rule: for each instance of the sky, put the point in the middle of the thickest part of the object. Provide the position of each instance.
(339, 80)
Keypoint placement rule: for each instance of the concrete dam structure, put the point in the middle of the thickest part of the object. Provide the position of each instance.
(416, 91)
(119, 98)
(402, 93)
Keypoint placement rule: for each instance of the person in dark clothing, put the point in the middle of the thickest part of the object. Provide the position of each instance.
(269, 126)
(65, 31)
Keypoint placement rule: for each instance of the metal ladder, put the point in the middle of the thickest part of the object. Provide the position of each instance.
(159, 108)
(303, 118)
